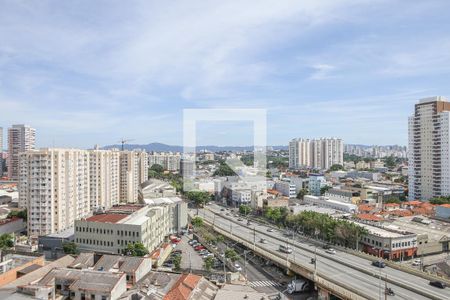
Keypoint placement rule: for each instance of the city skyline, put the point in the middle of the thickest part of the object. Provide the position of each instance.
(91, 75)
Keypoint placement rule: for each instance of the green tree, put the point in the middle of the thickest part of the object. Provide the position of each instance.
(231, 255)
(19, 214)
(440, 200)
(136, 249)
(6, 241)
(157, 168)
(245, 209)
(336, 167)
(224, 170)
(70, 248)
(177, 261)
(200, 198)
(302, 193)
(324, 189)
(208, 264)
(197, 222)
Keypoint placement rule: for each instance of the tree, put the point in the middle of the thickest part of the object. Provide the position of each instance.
(200, 198)
(177, 261)
(19, 214)
(336, 167)
(224, 170)
(302, 193)
(136, 249)
(324, 189)
(197, 222)
(6, 241)
(208, 264)
(70, 248)
(231, 255)
(157, 168)
(245, 209)
(440, 200)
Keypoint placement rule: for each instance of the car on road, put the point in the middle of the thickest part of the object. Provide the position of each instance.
(264, 241)
(416, 262)
(199, 247)
(240, 219)
(330, 251)
(222, 209)
(285, 249)
(438, 284)
(326, 246)
(378, 263)
(249, 223)
(207, 255)
(238, 267)
(269, 229)
(191, 242)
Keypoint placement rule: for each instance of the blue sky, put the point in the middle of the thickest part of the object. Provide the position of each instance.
(91, 72)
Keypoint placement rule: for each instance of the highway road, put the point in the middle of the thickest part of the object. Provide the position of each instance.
(330, 265)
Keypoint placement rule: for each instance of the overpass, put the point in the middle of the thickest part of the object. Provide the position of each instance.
(345, 275)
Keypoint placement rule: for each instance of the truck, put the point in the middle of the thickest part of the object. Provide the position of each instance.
(298, 285)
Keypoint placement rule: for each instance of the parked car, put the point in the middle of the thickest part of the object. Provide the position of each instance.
(438, 284)
(198, 248)
(178, 251)
(238, 267)
(222, 209)
(249, 223)
(264, 241)
(330, 251)
(269, 229)
(240, 219)
(191, 242)
(416, 262)
(378, 263)
(227, 214)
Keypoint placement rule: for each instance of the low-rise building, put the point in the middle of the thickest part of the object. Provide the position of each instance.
(112, 231)
(443, 211)
(12, 225)
(286, 188)
(389, 243)
(316, 183)
(343, 195)
(155, 188)
(328, 203)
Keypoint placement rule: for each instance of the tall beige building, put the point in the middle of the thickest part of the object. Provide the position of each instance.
(316, 153)
(1, 139)
(21, 138)
(429, 149)
(54, 187)
(133, 172)
(104, 177)
(168, 160)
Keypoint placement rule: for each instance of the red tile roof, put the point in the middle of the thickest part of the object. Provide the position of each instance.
(365, 207)
(106, 218)
(368, 217)
(183, 287)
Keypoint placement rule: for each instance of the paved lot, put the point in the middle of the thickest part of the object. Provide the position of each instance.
(189, 259)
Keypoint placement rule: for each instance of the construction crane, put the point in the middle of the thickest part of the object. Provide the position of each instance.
(124, 141)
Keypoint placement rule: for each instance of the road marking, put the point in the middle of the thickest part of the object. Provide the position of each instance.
(260, 283)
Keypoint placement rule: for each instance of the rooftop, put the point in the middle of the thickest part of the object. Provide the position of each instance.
(106, 218)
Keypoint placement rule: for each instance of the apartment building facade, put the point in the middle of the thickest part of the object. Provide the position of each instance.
(104, 176)
(168, 160)
(429, 146)
(318, 154)
(54, 187)
(21, 138)
(133, 172)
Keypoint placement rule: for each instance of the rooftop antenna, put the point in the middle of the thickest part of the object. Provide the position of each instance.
(124, 141)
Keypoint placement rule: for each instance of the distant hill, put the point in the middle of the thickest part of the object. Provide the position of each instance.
(159, 147)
